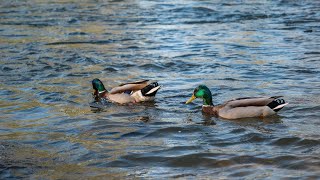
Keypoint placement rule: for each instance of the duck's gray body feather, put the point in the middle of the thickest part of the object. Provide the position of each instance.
(245, 107)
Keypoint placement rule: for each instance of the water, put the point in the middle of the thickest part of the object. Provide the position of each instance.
(50, 51)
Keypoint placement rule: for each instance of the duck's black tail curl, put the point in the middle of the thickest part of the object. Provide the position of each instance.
(277, 104)
(151, 89)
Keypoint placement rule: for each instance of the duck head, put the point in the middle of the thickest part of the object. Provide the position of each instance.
(202, 92)
(98, 88)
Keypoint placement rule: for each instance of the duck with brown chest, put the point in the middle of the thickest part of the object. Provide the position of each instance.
(133, 92)
(238, 108)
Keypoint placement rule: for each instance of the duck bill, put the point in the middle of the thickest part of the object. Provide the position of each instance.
(191, 99)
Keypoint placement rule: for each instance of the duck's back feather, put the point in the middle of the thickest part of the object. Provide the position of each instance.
(134, 86)
(250, 101)
(136, 82)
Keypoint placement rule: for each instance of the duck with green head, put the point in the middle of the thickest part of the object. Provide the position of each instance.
(132, 92)
(240, 107)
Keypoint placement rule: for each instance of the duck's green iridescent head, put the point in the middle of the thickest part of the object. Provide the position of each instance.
(202, 92)
(98, 86)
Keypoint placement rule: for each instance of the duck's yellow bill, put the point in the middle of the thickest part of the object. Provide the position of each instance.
(191, 99)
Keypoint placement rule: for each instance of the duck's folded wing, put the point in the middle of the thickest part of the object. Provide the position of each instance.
(133, 86)
(250, 101)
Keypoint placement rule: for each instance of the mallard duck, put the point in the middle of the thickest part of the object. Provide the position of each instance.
(126, 93)
(238, 108)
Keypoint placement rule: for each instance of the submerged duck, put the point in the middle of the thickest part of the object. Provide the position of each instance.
(126, 93)
(238, 108)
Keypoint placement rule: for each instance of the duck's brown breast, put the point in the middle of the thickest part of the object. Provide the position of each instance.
(210, 110)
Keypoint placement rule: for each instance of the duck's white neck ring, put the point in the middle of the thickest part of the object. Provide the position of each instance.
(206, 105)
(100, 92)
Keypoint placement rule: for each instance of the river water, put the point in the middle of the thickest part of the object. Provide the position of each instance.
(51, 50)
